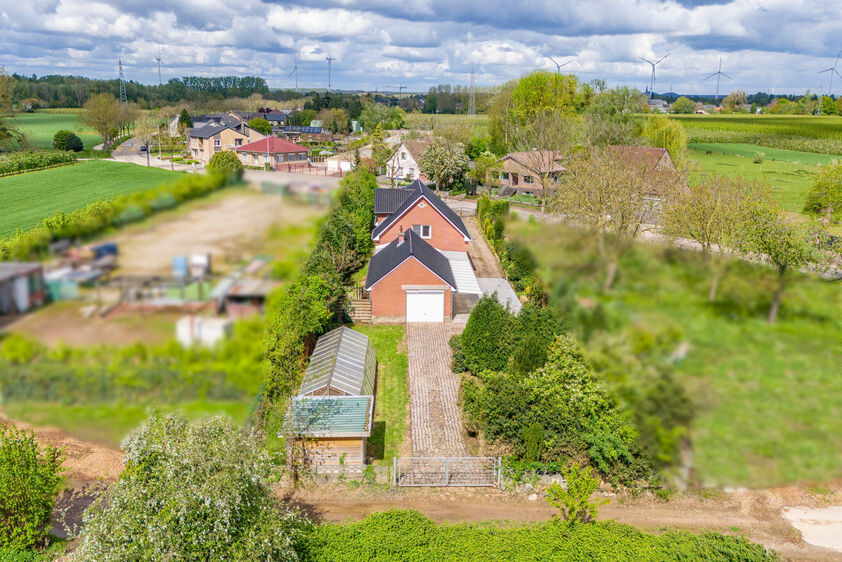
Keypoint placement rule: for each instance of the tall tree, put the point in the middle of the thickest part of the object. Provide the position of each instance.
(146, 129)
(445, 161)
(102, 112)
(612, 194)
(10, 137)
(611, 117)
(710, 212)
(663, 132)
(543, 145)
(683, 105)
(260, 125)
(783, 243)
(825, 197)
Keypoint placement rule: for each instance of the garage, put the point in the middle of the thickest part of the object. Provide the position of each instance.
(425, 306)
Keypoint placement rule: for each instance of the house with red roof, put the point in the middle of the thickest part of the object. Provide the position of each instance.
(272, 151)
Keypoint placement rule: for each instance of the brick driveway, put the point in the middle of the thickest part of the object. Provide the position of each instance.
(436, 419)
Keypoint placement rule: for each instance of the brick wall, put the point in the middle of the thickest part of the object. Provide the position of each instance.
(444, 235)
(388, 298)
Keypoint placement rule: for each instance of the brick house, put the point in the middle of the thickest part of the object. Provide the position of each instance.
(418, 208)
(409, 280)
(518, 170)
(272, 151)
(203, 142)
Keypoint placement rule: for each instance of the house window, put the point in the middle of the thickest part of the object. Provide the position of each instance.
(238, 142)
(504, 175)
(217, 143)
(280, 157)
(302, 156)
(424, 230)
(527, 179)
(403, 155)
(410, 172)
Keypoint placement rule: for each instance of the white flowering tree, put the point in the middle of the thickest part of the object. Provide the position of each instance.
(190, 491)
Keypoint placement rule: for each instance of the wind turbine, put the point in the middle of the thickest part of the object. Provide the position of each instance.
(294, 71)
(832, 71)
(718, 75)
(558, 66)
(653, 65)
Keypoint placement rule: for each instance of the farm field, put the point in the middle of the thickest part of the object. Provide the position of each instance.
(788, 177)
(26, 199)
(39, 128)
(423, 121)
(768, 396)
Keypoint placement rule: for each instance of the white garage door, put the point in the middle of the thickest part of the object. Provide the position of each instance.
(425, 306)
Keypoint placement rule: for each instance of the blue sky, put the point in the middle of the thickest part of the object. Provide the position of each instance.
(771, 45)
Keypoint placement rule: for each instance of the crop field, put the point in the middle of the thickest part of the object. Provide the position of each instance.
(39, 128)
(26, 199)
(792, 132)
(788, 174)
(768, 397)
(426, 120)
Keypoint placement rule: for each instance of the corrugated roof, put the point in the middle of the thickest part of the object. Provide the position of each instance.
(331, 416)
(344, 361)
(399, 250)
(387, 200)
(421, 190)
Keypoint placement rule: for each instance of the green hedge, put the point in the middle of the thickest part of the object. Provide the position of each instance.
(17, 162)
(104, 214)
(409, 535)
(310, 305)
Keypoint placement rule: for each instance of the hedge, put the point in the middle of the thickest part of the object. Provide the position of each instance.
(17, 162)
(98, 216)
(408, 535)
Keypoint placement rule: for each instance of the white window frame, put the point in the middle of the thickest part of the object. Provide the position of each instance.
(217, 143)
(419, 230)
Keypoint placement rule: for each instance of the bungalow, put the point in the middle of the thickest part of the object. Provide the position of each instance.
(520, 170)
(409, 280)
(22, 287)
(418, 209)
(272, 151)
(404, 163)
(332, 415)
(203, 142)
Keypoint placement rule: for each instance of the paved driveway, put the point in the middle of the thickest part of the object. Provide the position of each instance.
(436, 419)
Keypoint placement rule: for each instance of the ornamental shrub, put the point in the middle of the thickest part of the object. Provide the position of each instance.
(226, 163)
(486, 339)
(59, 139)
(73, 143)
(16, 162)
(191, 491)
(30, 477)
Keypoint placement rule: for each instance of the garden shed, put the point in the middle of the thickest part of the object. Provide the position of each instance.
(342, 364)
(22, 287)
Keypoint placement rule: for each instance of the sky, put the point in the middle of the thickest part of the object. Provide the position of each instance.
(777, 46)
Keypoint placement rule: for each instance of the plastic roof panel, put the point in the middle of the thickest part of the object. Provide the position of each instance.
(344, 361)
(331, 416)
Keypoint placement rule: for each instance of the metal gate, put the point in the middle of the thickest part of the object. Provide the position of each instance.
(446, 471)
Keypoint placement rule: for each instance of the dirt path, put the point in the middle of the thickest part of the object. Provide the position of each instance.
(754, 514)
(484, 261)
(226, 228)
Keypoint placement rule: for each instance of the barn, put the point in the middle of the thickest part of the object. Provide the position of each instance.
(332, 415)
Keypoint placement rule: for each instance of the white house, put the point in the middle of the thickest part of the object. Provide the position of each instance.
(403, 164)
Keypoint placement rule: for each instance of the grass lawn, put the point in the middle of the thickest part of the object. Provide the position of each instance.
(391, 409)
(769, 397)
(110, 422)
(39, 128)
(26, 199)
(809, 159)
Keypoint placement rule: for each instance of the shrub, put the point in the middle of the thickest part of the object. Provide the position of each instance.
(226, 163)
(16, 162)
(30, 475)
(573, 501)
(486, 338)
(457, 365)
(59, 139)
(191, 490)
(74, 143)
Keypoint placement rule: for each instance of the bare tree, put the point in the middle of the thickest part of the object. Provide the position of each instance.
(146, 129)
(542, 147)
(613, 195)
(710, 212)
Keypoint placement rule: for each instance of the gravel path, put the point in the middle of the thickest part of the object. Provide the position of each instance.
(436, 419)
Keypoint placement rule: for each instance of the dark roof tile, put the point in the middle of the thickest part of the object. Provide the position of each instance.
(399, 250)
(386, 201)
(421, 190)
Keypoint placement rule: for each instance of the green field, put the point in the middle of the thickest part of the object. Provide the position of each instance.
(391, 413)
(39, 128)
(769, 397)
(789, 174)
(424, 120)
(26, 199)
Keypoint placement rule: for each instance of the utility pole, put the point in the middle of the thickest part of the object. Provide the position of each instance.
(123, 97)
(329, 59)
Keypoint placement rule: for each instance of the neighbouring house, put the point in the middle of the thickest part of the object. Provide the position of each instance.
(658, 106)
(332, 416)
(22, 287)
(410, 281)
(519, 171)
(272, 151)
(297, 133)
(205, 141)
(417, 208)
(655, 161)
(247, 297)
(342, 162)
(404, 163)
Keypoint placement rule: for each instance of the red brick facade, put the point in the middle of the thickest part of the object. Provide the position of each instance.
(388, 296)
(445, 236)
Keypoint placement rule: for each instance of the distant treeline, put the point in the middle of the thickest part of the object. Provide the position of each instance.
(759, 99)
(32, 92)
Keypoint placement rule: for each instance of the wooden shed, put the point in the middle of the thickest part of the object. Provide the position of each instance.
(331, 418)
